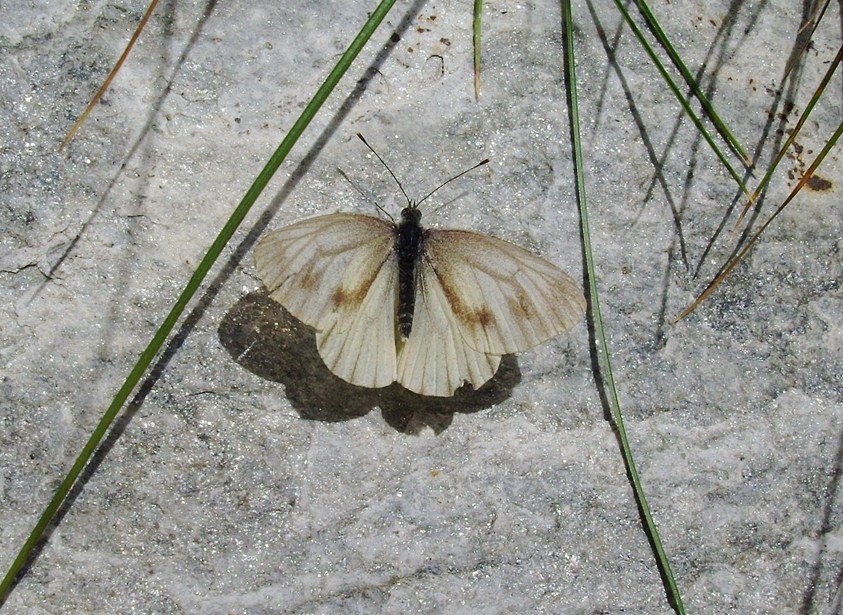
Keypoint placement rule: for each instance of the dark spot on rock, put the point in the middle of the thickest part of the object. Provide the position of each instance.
(818, 184)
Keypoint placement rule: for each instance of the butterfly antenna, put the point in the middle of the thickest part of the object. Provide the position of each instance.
(365, 196)
(445, 183)
(378, 156)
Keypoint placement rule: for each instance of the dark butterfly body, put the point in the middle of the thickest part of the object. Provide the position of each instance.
(409, 247)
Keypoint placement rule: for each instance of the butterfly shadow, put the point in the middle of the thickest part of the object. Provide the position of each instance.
(265, 339)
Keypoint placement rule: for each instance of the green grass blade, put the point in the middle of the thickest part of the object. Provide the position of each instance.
(594, 302)
(190, 289)
(682, 100)
(478, 11)
(664, 41)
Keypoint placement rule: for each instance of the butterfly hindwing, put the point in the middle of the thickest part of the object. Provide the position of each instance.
(357, 340)
(435, 359)
(503, 298)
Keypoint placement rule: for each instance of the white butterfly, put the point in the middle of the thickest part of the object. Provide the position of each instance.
(427, 308)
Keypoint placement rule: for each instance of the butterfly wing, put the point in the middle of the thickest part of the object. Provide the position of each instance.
(337, 273)
(503, 298)
(435, 359)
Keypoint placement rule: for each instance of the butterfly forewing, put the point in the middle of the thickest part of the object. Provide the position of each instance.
(307, 266)
(337, 274)
(504, 298)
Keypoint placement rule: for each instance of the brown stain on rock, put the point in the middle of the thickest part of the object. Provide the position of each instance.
(818, 184)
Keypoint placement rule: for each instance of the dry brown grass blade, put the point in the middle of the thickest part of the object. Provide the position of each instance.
(791, 138)
(810, 24)
(96, 98)
(739, 257)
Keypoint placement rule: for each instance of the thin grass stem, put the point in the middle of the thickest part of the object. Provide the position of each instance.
(117, 65)
(662, 561)
(681, 98)
(478, 12)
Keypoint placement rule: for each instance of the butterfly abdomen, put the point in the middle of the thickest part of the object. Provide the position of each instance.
(408, 247)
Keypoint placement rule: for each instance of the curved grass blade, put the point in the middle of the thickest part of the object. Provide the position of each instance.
(664, 41)
(739, 257)
(190, 289)
(679, 97)
(478, 11)
(793, 134)
(672, 590)
(96, 98)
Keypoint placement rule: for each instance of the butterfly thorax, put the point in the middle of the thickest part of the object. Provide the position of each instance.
(408, 247)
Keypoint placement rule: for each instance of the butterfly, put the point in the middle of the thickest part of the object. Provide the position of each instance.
(430, 309)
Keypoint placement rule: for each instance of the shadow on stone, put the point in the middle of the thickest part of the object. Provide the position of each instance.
(262, 337)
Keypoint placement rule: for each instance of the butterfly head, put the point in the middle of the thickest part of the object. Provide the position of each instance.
(411, 214)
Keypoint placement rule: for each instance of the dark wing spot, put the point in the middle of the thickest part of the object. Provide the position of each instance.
(339, 297)
(310, 279)
(482, 316)
(344, 298)
(471, 316)
(464, 313)
(521, 305)
(352, 297)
